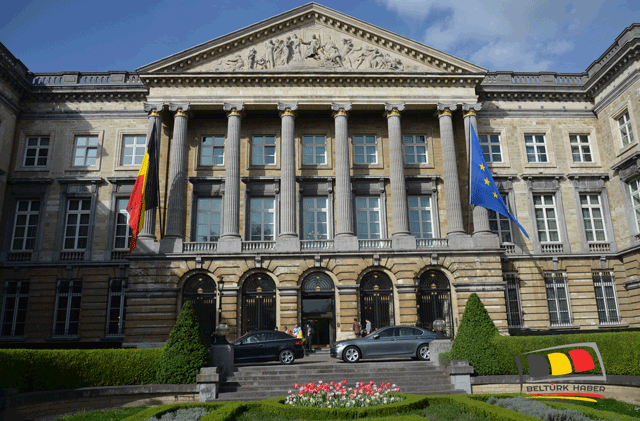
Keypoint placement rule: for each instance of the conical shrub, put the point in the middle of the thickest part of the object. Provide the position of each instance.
(184, 352)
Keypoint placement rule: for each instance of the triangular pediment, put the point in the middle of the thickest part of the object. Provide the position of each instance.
(311, 38)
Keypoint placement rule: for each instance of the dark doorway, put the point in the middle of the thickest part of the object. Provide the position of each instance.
(258, 303)
(318, 307)
(376, 300)
(200, 291)
(434, 301)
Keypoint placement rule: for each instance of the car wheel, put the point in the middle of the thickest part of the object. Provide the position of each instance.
(423, 352)
(287, 356)
(351, 355)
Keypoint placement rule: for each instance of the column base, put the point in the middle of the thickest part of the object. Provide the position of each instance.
(287, 244)
(147, 245)
(460, 241)
(403, 242)
(345, 242)
(229, 245)
(486, 240)
(171, 245)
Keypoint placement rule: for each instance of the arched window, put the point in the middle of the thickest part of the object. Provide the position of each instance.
(376, 300)
(434, 300)
(258, 303)
(200, 291)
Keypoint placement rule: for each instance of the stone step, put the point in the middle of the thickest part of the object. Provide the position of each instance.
(252, 396)
(351, 378)
(329, 372)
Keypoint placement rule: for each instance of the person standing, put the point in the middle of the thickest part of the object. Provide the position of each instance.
(367, 326)
(288, 331)
(357, 327)
(296, 330)
(310, 332)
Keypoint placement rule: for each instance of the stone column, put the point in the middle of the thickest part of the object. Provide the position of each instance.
(401, 237)
(230, 240)
(288, 239)
(483, 237)
(345, 238)
(172, 243)
(451, 182)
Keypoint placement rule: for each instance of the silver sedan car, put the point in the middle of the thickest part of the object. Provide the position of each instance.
(393, 341)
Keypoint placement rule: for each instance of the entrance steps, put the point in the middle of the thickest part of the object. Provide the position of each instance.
(267, 380)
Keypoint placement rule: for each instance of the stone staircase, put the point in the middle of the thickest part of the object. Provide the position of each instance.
(267, 380)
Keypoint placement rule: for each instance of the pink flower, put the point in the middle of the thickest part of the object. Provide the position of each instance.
(296, 385)
(344, 382)
(371, 382)
(388, 384)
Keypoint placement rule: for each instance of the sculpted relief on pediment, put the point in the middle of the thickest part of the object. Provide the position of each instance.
(313, 48)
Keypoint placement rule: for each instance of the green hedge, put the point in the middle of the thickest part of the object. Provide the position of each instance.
(34, 370)
(592, 413)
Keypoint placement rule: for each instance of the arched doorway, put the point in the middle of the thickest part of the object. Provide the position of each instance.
(376, 300)
(200, 291)
(434, 301)
(318, 307)
(258, 303)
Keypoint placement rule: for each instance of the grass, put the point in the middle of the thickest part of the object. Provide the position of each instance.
(612, 405)
(110, 415)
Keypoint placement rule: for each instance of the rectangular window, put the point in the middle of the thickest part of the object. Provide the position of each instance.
(85, 152)
(209, 214)
(592, 217)
(500, 224)
(14, 309)
(606, 300)
(212, 151)
(263, 150)
(133, 150)
(123, 230)
(546, 220)
(314, 150)
(557, 299)
(634, 188)
(25, 225)
(368, 218)
(35, 154)
(580, 148)
(263, 215)
(117, 308)
(421, 216)
(315, 214)
(415, 149)
(491, 149)
(76, 229)
(365, 149)
(67, 314)
(512, 299)
(536, 148)
(624, 125)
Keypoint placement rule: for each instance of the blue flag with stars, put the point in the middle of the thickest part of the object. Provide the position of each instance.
(484, 191)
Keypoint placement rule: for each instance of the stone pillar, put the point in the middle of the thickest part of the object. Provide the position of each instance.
(230, 240)
(172, 243)
(401, 237)
(345, 238)
(288, 239)
(482, 235)
(451, 182)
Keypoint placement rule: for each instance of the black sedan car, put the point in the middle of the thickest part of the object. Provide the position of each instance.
(388, 342)
(267, 345)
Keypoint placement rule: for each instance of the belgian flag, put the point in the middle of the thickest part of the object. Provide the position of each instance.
(145, 191)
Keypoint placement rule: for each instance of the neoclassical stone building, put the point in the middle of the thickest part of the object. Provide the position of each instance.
(313, 168)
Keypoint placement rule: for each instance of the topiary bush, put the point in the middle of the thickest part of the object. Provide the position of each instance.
(184, 352)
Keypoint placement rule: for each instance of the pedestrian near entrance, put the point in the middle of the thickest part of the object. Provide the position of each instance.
(357, 327)
(310, 331)
(367, 326)
(288, 331)
(297, 330)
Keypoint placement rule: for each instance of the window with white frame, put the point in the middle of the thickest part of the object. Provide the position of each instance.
(606, 300)
(116, 308)
(491, 149)
(421, 216)
(262, 219)
(512, 299)
(592, 217)
(315, 216)
(415, 149)
(85, 152)
(368, 218)
(365, 149)
(36, 151)
(25, 226)
(624, 126)
(14, 309)
(557, 298)
(500, 224)
(212, 151)
(133, 149)
(123, 231)
(634, 188)
(314, 150)
(580, 148)
(76, 229)
(67, 313)
(209, 219)
(536, 148)
(546, 219)
(263, 150)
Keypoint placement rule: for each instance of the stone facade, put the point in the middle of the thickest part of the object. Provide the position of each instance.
(314, 168)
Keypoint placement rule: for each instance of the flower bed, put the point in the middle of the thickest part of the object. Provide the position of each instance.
(336, 395)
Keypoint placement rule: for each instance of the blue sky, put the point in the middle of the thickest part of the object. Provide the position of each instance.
(519, 35)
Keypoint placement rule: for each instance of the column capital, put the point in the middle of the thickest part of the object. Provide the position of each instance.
(233, 109)
(393, 109)
(180, 110)
(446, 109)
(471, 109)
(340, 109)
(154, 110)
(287, 109)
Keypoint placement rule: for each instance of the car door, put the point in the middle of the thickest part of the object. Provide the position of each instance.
(271, 347)
(407, 340)
(250, 348)
(382, 344)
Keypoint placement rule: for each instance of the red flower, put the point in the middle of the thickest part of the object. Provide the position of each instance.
(296, 385)
(344, 382)
(388, 384)
(371, 382)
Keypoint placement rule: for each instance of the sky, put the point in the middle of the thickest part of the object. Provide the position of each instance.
(520, 35)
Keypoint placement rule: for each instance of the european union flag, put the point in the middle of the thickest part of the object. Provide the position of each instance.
(484, 191)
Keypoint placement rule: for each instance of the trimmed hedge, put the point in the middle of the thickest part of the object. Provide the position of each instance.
(35, 370)
(592, 412)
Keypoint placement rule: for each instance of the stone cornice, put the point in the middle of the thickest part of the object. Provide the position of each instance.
(82, 115)
(13, 71)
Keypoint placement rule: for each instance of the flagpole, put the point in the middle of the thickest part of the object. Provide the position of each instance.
(469, 159)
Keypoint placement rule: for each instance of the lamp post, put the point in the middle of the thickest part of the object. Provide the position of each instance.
(222, 328)
(220, 288)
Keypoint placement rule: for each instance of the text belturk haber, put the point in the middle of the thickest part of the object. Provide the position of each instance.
(565, 387)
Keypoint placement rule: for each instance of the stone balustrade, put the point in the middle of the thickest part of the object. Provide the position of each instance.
(540, 78)
(88, 78)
